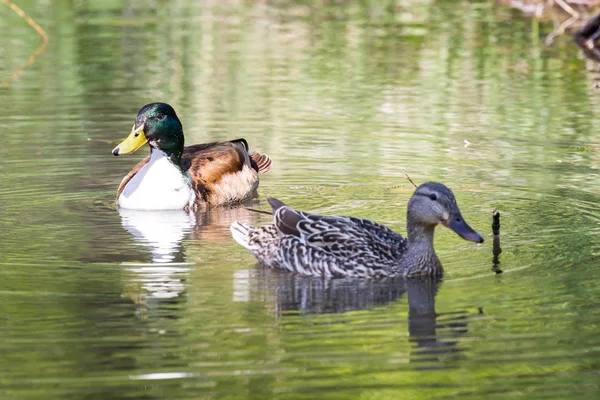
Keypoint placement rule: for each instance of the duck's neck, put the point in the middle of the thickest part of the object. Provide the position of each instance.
(170, 141)
(174, 157)
(420, 235)
(421, 254)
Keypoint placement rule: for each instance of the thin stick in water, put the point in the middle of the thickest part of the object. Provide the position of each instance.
(496, 250)
(258, 211)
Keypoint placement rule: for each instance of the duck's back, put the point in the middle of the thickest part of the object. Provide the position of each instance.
(223, 172)
(336, 246)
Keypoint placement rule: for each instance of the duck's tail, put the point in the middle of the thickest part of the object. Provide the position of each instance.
(263, 162)
(262, 242)
(240, 233)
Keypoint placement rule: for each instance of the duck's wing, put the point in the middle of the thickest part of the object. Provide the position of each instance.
(261, 163)
(339, 236)
(383, 233)
(351, 237)
(130, 175)
(223, 172)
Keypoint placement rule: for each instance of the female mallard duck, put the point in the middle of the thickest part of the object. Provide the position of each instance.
(311, 244)
(177, 177)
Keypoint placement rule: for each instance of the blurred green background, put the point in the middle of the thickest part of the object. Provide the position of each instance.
(345, 97)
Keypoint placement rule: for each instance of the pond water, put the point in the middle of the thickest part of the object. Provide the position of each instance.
(98, 303)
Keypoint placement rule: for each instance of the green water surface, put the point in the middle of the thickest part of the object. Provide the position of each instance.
(101, 304)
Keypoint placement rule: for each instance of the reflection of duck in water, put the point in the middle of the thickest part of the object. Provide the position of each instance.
(162, 232)
(423, 324)
(214, 225)
(175, 177)
(318, 295)
(318, 245)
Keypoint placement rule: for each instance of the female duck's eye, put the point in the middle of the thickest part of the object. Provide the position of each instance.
(433, 197)
(160, 117)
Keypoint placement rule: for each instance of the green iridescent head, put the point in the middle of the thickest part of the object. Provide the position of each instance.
(158, 125)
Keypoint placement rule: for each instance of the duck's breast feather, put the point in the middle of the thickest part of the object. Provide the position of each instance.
(130, 175)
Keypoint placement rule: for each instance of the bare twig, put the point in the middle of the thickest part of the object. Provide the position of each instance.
(37, 51)
(560, 30)
(586, 3)
(258, 211)
(565, 6)
(572, 10)
(410, 180)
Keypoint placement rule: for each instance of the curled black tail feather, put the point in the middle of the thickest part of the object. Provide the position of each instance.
(261, 162)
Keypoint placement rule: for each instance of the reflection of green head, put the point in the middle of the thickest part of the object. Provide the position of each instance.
(157, 124)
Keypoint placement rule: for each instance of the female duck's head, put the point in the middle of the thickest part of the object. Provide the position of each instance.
(432, 204)
(157, 124)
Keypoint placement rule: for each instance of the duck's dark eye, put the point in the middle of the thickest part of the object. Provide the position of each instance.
(160, 117)
(433, 196)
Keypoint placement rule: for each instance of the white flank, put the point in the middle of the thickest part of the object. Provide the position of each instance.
(159, 185)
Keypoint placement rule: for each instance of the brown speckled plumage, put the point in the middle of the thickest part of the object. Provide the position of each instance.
(311, 244)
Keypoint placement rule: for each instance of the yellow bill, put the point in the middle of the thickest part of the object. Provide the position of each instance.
(135, 140)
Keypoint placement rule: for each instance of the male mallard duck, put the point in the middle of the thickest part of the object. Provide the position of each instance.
(311, 244)
(176, 177)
